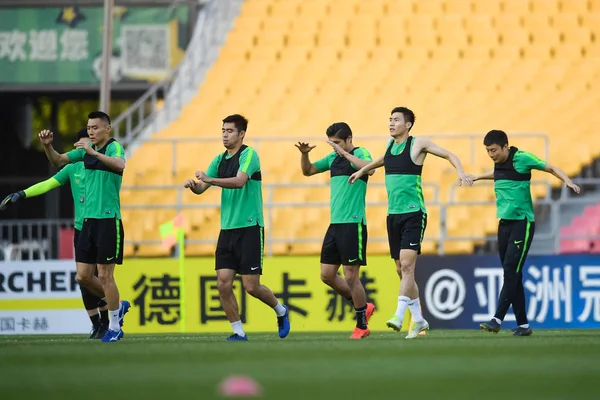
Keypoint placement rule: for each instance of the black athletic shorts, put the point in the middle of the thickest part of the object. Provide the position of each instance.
(345, 244)
(405, 231)
(241, 250)
(100, 241)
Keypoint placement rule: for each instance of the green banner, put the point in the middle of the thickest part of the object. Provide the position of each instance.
(63, 45)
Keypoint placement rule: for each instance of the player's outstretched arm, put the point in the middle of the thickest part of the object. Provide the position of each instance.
(55, 158)
(376, 163)
(356, 161)
(560, 174)
(113, 159)
(428, 146)
(308, 168)
(197, 187)
(35, 190)
(485, 176)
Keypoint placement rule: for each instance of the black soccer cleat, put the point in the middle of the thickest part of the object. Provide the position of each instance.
(523, 332)
(101, 331)
(491, 326)
(94, 332)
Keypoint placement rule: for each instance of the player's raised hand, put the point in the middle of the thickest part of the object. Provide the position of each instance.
(573, 186)
(46, 137)
(355, 176)
(304, 147)
(465, 179)
(190, 184)
(336, 147)
(200, 175)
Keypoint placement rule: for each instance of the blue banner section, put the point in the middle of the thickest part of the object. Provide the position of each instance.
(460, 292)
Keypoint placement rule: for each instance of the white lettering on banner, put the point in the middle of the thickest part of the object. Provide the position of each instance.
(38, 280)
(74, 45)
(12, 45)
(488, 293)
(43, 45)
(445, 294)
(589, 276)
(545, 290)
(36, 322)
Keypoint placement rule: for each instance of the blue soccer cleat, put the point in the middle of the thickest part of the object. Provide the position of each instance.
(123, 310)
(283, 323)
(236, 337)
(112, 336)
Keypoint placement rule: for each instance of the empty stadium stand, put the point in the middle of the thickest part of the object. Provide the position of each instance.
(464, 66)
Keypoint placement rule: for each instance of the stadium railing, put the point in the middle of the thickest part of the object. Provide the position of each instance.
(34, 238)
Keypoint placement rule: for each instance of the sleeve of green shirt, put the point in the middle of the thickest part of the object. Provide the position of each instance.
(249, 162)
(324, 164)
(43, 187)
(213, 167)
(363, 154)
(115, 150)
(76, 155)
(524, 162)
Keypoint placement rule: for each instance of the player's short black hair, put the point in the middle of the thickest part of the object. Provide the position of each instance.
(495, 137)
(82, 134)
(99, 115)
(339, 129)
(240, 122)
(409, 116)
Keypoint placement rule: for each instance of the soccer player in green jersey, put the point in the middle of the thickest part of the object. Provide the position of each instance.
(407, 216)
(512, 186)
(345, 242)
(101, 239)
(96, 308)
(241, 240)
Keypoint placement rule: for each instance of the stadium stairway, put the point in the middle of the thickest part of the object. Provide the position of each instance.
(464, 66)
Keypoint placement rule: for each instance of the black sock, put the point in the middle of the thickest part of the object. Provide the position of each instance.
(104, 317)
(350, 301)
(361, 317)
(95, 320)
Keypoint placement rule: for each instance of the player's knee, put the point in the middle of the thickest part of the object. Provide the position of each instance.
(327, 277)
(224, 286)
(252, 288)
(106, 277)
(407, 267)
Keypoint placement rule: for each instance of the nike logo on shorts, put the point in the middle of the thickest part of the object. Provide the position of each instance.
(109, 258)
(354, 259)
(518, 241)
(254, 268)
(414, 244)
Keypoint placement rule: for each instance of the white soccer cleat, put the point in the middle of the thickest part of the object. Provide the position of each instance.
(417, 328)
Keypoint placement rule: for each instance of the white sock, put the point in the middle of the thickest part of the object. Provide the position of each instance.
(402, 304)
(113, 320)
(279, 309)
(498, 320)
(415, 309)
(237, 328)
(525, 326)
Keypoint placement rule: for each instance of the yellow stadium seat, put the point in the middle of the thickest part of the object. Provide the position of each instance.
(295, 66)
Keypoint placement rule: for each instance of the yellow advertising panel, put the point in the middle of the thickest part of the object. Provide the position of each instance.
(152, 287)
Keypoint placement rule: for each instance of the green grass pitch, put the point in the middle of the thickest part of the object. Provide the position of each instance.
(561, 364)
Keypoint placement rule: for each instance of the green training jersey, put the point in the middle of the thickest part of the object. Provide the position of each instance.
(75, 174)
(403, 179)
(102, 185)
(512, 185)
(347, 201)
(243, 207)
